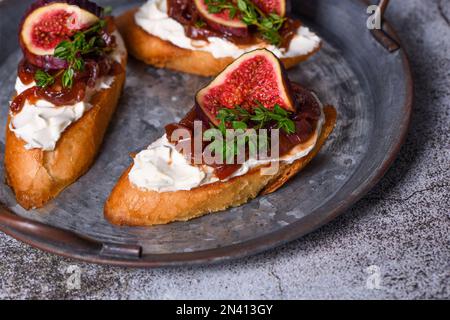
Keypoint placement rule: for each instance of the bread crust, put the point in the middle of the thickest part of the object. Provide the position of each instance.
(128, 205)
(163, 54)
(38, 176)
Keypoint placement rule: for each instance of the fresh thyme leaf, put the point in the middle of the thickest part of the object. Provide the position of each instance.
(239, 125)
(43, 79)
(63, 50)
(78, 64)
(242, 5)
(81, 44)
(200, 23)
(240, 118)
(233, 12)
(67, 77)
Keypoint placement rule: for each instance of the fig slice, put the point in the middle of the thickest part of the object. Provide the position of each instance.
(48, 22)
(221, 21)
(272, 6)
(255, 78)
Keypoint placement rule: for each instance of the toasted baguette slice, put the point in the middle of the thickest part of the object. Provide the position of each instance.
(163, 54)
(131, 206)
(38, 176)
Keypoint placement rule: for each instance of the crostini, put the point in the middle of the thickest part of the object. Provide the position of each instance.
(204, 36)
(68, 86)
(180, 177)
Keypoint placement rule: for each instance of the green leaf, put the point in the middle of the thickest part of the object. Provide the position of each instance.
(242, 5)
(239, 125)
(200, 23)
(67, 78)
(267, 23)
(279, 110)
(78, 64)
(63, 50)
(222, 127)
(43, 79)
(290, 126)
(214, 9)
(233, 12)
(74, 50)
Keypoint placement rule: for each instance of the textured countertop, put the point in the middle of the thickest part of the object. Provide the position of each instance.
(395, 243)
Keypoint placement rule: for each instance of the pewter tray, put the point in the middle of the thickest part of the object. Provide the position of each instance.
(367, 80)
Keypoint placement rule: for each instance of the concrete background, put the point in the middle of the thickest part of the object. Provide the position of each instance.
(395, 243)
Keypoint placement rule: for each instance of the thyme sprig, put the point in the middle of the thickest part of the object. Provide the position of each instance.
(268, 25)
(43, 79)
(73, 51)
(240, 120)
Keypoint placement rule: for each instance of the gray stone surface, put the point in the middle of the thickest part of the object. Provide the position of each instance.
(401, 228)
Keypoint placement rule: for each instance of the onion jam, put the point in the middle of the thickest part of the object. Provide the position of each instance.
(306, 118)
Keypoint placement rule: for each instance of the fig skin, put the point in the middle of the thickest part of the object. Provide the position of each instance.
(49, 62)
(283, 83)
(267, 8)
(234, 27)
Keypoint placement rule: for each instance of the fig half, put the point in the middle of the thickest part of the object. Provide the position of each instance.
(255, 78)
(48, 22)
(272, 6)
(221, 21)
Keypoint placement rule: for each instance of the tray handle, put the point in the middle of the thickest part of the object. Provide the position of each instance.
(49, 238)
(385, 36)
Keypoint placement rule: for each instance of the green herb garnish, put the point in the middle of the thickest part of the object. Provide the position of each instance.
(241, 120)
(261, 116)
(200, 24)
(217, 6)
(43, 79)
(268, 25)
(73, 51)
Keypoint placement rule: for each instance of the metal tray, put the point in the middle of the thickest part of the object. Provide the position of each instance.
(364, 73)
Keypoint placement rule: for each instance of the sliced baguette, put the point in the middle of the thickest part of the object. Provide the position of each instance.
(38, 176)
(163, 54)
(128, 205)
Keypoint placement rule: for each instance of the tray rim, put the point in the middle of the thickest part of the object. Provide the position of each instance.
(27, 230)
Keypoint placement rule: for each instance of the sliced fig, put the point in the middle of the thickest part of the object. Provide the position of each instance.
(221, 21)
(272, 6)
(255, 78)
(49, 22)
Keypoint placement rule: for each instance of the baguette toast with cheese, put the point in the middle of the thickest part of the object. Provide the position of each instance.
(163, 54)
(158, 189)
(131, 206)
(37, 175)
